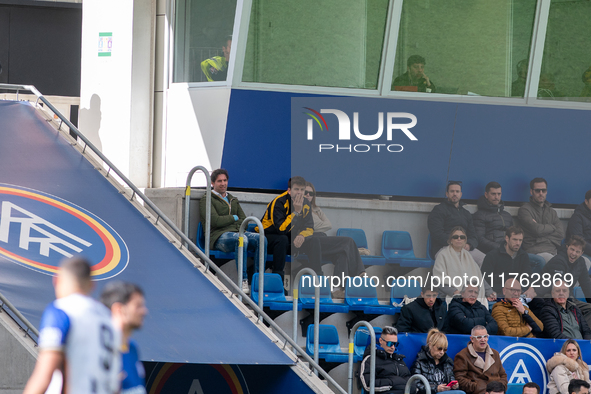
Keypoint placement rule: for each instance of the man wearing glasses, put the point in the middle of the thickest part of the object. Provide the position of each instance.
(478, 364)
(513, 318)
(561, 318)
(391, 371)
(449, 214)
(543, 231)
(424, 313)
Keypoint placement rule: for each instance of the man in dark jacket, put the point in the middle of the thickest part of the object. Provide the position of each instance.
(466, 313)
(391, 371)
(507, 260)
(424, 313)
(491, 220)
(569, 261)
(580, 224)
(449, 214)
(561, 318)
(226, 217)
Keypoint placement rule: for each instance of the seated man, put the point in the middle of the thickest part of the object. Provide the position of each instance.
(391, 371)
(424, 313)
(578, 386)
(467, 312)
(495, 387)
(491, 220)
(414, 79)
(513, 318)
(561, 318)
(216, 68)
(580, 224)
(226, 217)
(543, 231)
(289, 215)
(507, 260)
(449, 214)
(478, 364)
(531, 388)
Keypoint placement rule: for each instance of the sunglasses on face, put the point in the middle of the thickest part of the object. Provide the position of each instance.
(480, 337)
(390, 343)
(540, 190)
(309, 193)
(458, 237)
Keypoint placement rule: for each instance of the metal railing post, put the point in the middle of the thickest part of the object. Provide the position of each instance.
(417, 377)
(372, 362)
(240, 257)
(187, 218)
(295, 292)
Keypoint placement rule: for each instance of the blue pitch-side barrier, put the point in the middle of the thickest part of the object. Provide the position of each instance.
(53, 203)
(524, 359)
(478, 142)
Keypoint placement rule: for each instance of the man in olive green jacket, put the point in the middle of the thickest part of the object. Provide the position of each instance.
(226, 218)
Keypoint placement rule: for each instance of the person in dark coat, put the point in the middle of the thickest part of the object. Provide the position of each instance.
(449, 214)
(435, 365)
(391, 370)
(424, 313)
(569, 260)
(561, 318)
(466, 313)
(506, 260)
(580, 223)
(491, 220)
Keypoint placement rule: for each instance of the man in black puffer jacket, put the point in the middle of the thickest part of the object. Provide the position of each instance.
(491, 220)
(561, 318)
(466, 313)
(391, 371)
(424, 313)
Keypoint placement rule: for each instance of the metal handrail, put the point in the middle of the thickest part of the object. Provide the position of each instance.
(417, 377)
(23, 319)
(187, 217)
(296, 283)
(240, 257)
(372, 359)
(190, 245)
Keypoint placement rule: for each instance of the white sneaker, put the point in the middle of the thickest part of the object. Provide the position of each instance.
(245, 287)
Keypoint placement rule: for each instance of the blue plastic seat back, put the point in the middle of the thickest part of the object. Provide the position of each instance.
(362, 340)
(363, 295)
(409, 287)
(273, 288)
(200, 237)
(307, 287)
(328, 340)
(397, 244)
(357, 234)
(578, 294)
(429, 247)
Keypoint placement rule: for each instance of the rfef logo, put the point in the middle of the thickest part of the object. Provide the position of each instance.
(38, 230)
(344, 131)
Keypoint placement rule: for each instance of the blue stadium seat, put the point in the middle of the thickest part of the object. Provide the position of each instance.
(329, 347)
(429, 247)
(397, 249)
(274, 296)
(515, 388)
(327, 305)
(358, 236)
(215, 253)
(364, 298)
(362, 340)
(578, 294)
(412, 289)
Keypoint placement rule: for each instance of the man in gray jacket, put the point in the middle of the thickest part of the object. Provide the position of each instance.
(543, 231)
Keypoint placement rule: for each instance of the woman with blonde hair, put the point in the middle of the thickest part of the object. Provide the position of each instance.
(566, 366)
(435, 365)
(321, 222)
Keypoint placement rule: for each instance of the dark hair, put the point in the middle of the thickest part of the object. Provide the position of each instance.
(415, 59)
(575, 385)
(537, 180)
(78, 267)
(449, 183)
(218, 172)
(513, 230)
(313, 201)
(495, 386)
(532, 385)
(492, 185)
(120, 292)
(296, 180)
(576, 240)
(588, 195)
(389, 331)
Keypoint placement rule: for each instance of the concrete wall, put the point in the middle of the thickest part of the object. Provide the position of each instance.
(18, 359)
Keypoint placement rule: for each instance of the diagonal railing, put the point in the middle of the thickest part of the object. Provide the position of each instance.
(160, 216)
